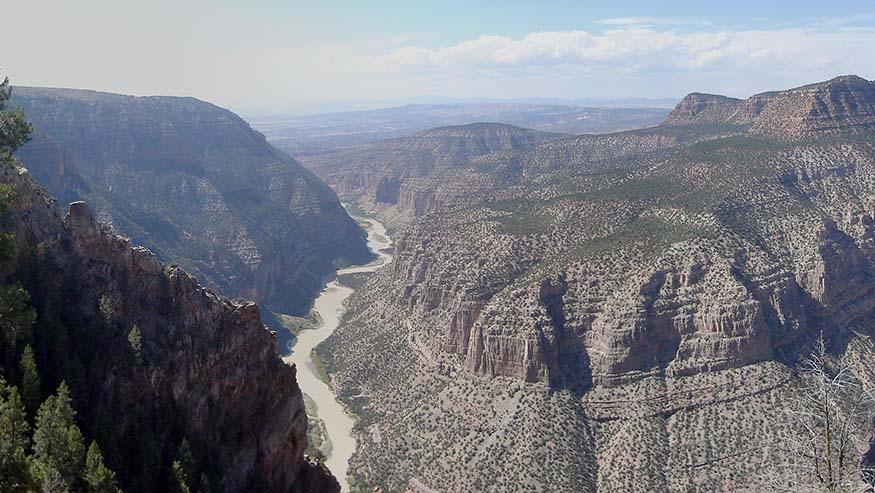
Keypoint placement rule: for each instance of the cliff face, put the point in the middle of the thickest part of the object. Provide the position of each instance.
(209, 364)
(409, 171)
(696, 306)
(840, 104)
(195, 184)
(698, 109)
(639, 297)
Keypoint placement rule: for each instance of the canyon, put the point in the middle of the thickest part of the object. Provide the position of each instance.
(197, 186)
(564, 306)
(555, 307)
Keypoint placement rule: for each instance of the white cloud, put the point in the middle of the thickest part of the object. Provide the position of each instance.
(648, 49)
(233, 57)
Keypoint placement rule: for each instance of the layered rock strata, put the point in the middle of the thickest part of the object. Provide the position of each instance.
(641, 297)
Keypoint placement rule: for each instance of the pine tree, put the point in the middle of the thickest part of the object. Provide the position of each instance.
(180, 481)
(57, 441)
(53, 481)
(30, 381)
(16, 318)
(14, 129)
(135, 341)
(184, 468)
(97, 476)
(14, 439)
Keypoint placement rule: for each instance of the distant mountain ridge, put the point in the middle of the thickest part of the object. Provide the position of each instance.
(312, 135)
(195, 184)
(842, 103)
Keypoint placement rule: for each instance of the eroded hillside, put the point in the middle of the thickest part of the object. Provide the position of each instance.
(633, 298)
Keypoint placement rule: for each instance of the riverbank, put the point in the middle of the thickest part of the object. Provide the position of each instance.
(329, 308)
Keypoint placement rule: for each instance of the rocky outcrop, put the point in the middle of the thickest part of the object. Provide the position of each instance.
(843, 103)
(209, 365)
(388, 190)
(702, 109)
(751, 108)
(196, 185)
(840, 104)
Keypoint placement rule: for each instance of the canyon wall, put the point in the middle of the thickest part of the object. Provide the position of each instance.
(208, 364)
(197, 186)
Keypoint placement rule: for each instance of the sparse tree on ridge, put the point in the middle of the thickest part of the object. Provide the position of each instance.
(14, 128)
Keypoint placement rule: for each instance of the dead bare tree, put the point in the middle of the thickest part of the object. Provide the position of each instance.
(826, 431)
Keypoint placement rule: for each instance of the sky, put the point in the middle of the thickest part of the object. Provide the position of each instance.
(273, 56)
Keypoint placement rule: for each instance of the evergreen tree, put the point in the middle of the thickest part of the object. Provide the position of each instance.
(180, 481)
(15, 317)
(135, 341)
(57, 441)
(14, 129)
(97, 476)
(14, 438)
(184, 468)
(53, 481)
(30, 381)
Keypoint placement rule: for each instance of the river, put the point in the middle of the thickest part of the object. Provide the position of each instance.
(330, 307)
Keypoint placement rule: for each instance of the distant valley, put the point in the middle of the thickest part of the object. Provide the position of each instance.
(304, 136)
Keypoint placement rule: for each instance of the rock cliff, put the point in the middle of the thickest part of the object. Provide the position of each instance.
(196, 185)
(698, 108)
(840, 104)
(209, 366)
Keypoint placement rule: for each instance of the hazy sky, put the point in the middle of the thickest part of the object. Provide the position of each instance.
(261, 56)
